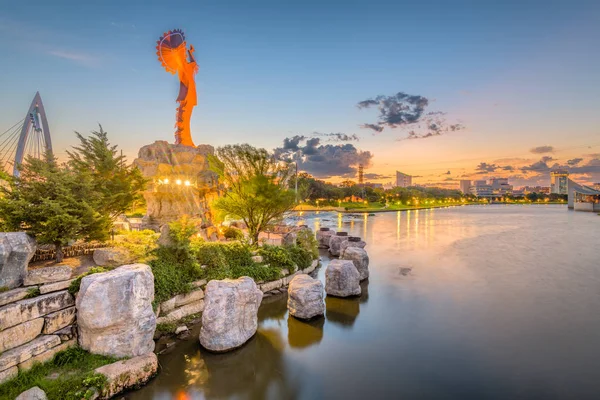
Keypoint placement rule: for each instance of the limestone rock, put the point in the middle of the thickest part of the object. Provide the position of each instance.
(8, 374)
(335, 243)
(267, 287)
(305, 297)
(20, 334)
(323, 237)
(352, 241)
(47, 275)
(127, 374)
(183, 311)
(181, 300)
(28, 309)
(360, 258)
(342, 279)
(47, 355)
(13, 295)
(311, 268)
(56, 286)
(165, 236)
(114, 311)
(16, 249)
(22, 353)
(230, 315)
(58, 320)
(66, 333)
(35, 393)
(112, 257)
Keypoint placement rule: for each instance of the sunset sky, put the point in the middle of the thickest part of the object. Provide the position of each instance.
(522, 77)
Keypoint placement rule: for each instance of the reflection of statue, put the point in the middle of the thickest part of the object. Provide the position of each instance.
(171, 51)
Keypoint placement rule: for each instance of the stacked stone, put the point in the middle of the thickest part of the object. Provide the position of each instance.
(35, 329)
(323, 237)
(278, 286)
(181, 305)
(352, 241)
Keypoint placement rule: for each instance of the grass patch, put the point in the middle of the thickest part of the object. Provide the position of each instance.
(33, 292)
(140, 244)
(166, 328)
(4, 289)
(73, 369)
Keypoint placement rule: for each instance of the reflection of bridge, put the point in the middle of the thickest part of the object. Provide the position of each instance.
(29, 137)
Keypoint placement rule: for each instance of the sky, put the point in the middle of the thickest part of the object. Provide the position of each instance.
(520, 78)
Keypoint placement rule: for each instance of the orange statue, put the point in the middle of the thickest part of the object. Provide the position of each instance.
(171, 51)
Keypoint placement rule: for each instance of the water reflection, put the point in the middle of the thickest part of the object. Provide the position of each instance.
(303, 334)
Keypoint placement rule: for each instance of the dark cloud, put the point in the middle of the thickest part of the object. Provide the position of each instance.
(547, 159)
(376, 176)
(448, 173)
(324, 160)
(408, 111)
(573, 162)
(484, 168)
(508, 168)
(539, 166)
(338, 137)
(542, 149)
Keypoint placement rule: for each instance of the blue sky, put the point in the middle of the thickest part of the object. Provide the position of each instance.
(518, 74)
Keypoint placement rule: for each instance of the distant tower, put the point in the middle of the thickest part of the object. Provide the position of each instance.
(361, 178)
(558, 181)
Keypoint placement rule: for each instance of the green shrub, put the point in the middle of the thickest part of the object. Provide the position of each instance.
(306, 239)
(76, 284)
(276, 256)
(209, 253)
(300, 256)
(172, 274)
(181, 232)
(234, 233)
(32, 292)
(140, 244)
(166, 328)
(75, 369)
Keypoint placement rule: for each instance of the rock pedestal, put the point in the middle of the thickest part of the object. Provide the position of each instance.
(16, 249)
(360, 258)
(230, 316)
(127, 374)
(335, 243)
(352, 241)
(342, 279)
(114, 312)
(323, 237)
(305, 297)
(181, 182)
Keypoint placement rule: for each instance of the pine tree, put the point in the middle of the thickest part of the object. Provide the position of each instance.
(53, 203)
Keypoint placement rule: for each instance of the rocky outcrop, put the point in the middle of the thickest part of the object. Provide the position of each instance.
(180, 181)
(335, 242)
(58, 320)
(13, 295)
(114, 312)
(305, 297)
(230, 314)
(127, 374)
(20, 334)
(342, 279)
(35, 393)
(47, 275)
(112, 257)
(29, 309)
(47, 355)
(360, 258)
(16, 249)
(23, 353)
(352, 241)
(56, 286)
(323, 237)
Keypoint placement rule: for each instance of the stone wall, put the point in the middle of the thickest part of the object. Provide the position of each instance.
(36, 321)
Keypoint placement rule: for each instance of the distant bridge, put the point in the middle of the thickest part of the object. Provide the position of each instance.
(29, 137)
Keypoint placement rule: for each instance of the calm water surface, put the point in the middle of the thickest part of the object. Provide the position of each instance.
(478, 302)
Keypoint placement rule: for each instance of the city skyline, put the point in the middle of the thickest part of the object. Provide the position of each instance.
(523, 88)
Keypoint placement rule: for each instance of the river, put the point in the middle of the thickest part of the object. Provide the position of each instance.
(474, 302)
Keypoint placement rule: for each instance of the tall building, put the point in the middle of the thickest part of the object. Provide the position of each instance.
(559, 181)
(500, 186)
(403, 180)
(465, 185)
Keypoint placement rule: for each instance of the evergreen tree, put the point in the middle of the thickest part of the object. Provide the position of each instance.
(53, 203)
(118, 183)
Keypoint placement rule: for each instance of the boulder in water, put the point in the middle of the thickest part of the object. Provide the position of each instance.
(342, 279)
(305, 297)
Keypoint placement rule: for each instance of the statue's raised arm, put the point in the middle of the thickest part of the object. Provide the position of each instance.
(173, 55)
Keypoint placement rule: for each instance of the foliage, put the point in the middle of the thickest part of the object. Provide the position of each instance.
(172, 274)
(33, 292)
(118, 184)
(76, 283)
(307, 240)
(300, 256)
(277, 256)
(140, 244)
(234, 233)
(53, 203)
(75, 368)
(257, 186)
(4, 289)
(181, 232)
(166, 328)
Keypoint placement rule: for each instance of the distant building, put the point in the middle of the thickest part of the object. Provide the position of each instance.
(536, 189)
(465, 185)
(559, 181)
(374, 185)
(582, 198)
(403, 180)
(500, 186)
(481, 188)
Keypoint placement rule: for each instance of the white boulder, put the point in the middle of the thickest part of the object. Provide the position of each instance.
(112, 256)
(360, 258)
(35, 393)
(342, 279)
(323, 237)
(305, 297)
(335, 243)
(352, 241)
(114, 312)
(230, 316)
(16, 249)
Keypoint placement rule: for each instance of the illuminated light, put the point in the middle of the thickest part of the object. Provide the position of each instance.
(187, 183)
(166, 180)
(178, 181)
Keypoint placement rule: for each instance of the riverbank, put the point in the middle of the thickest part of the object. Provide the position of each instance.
(367, 209)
